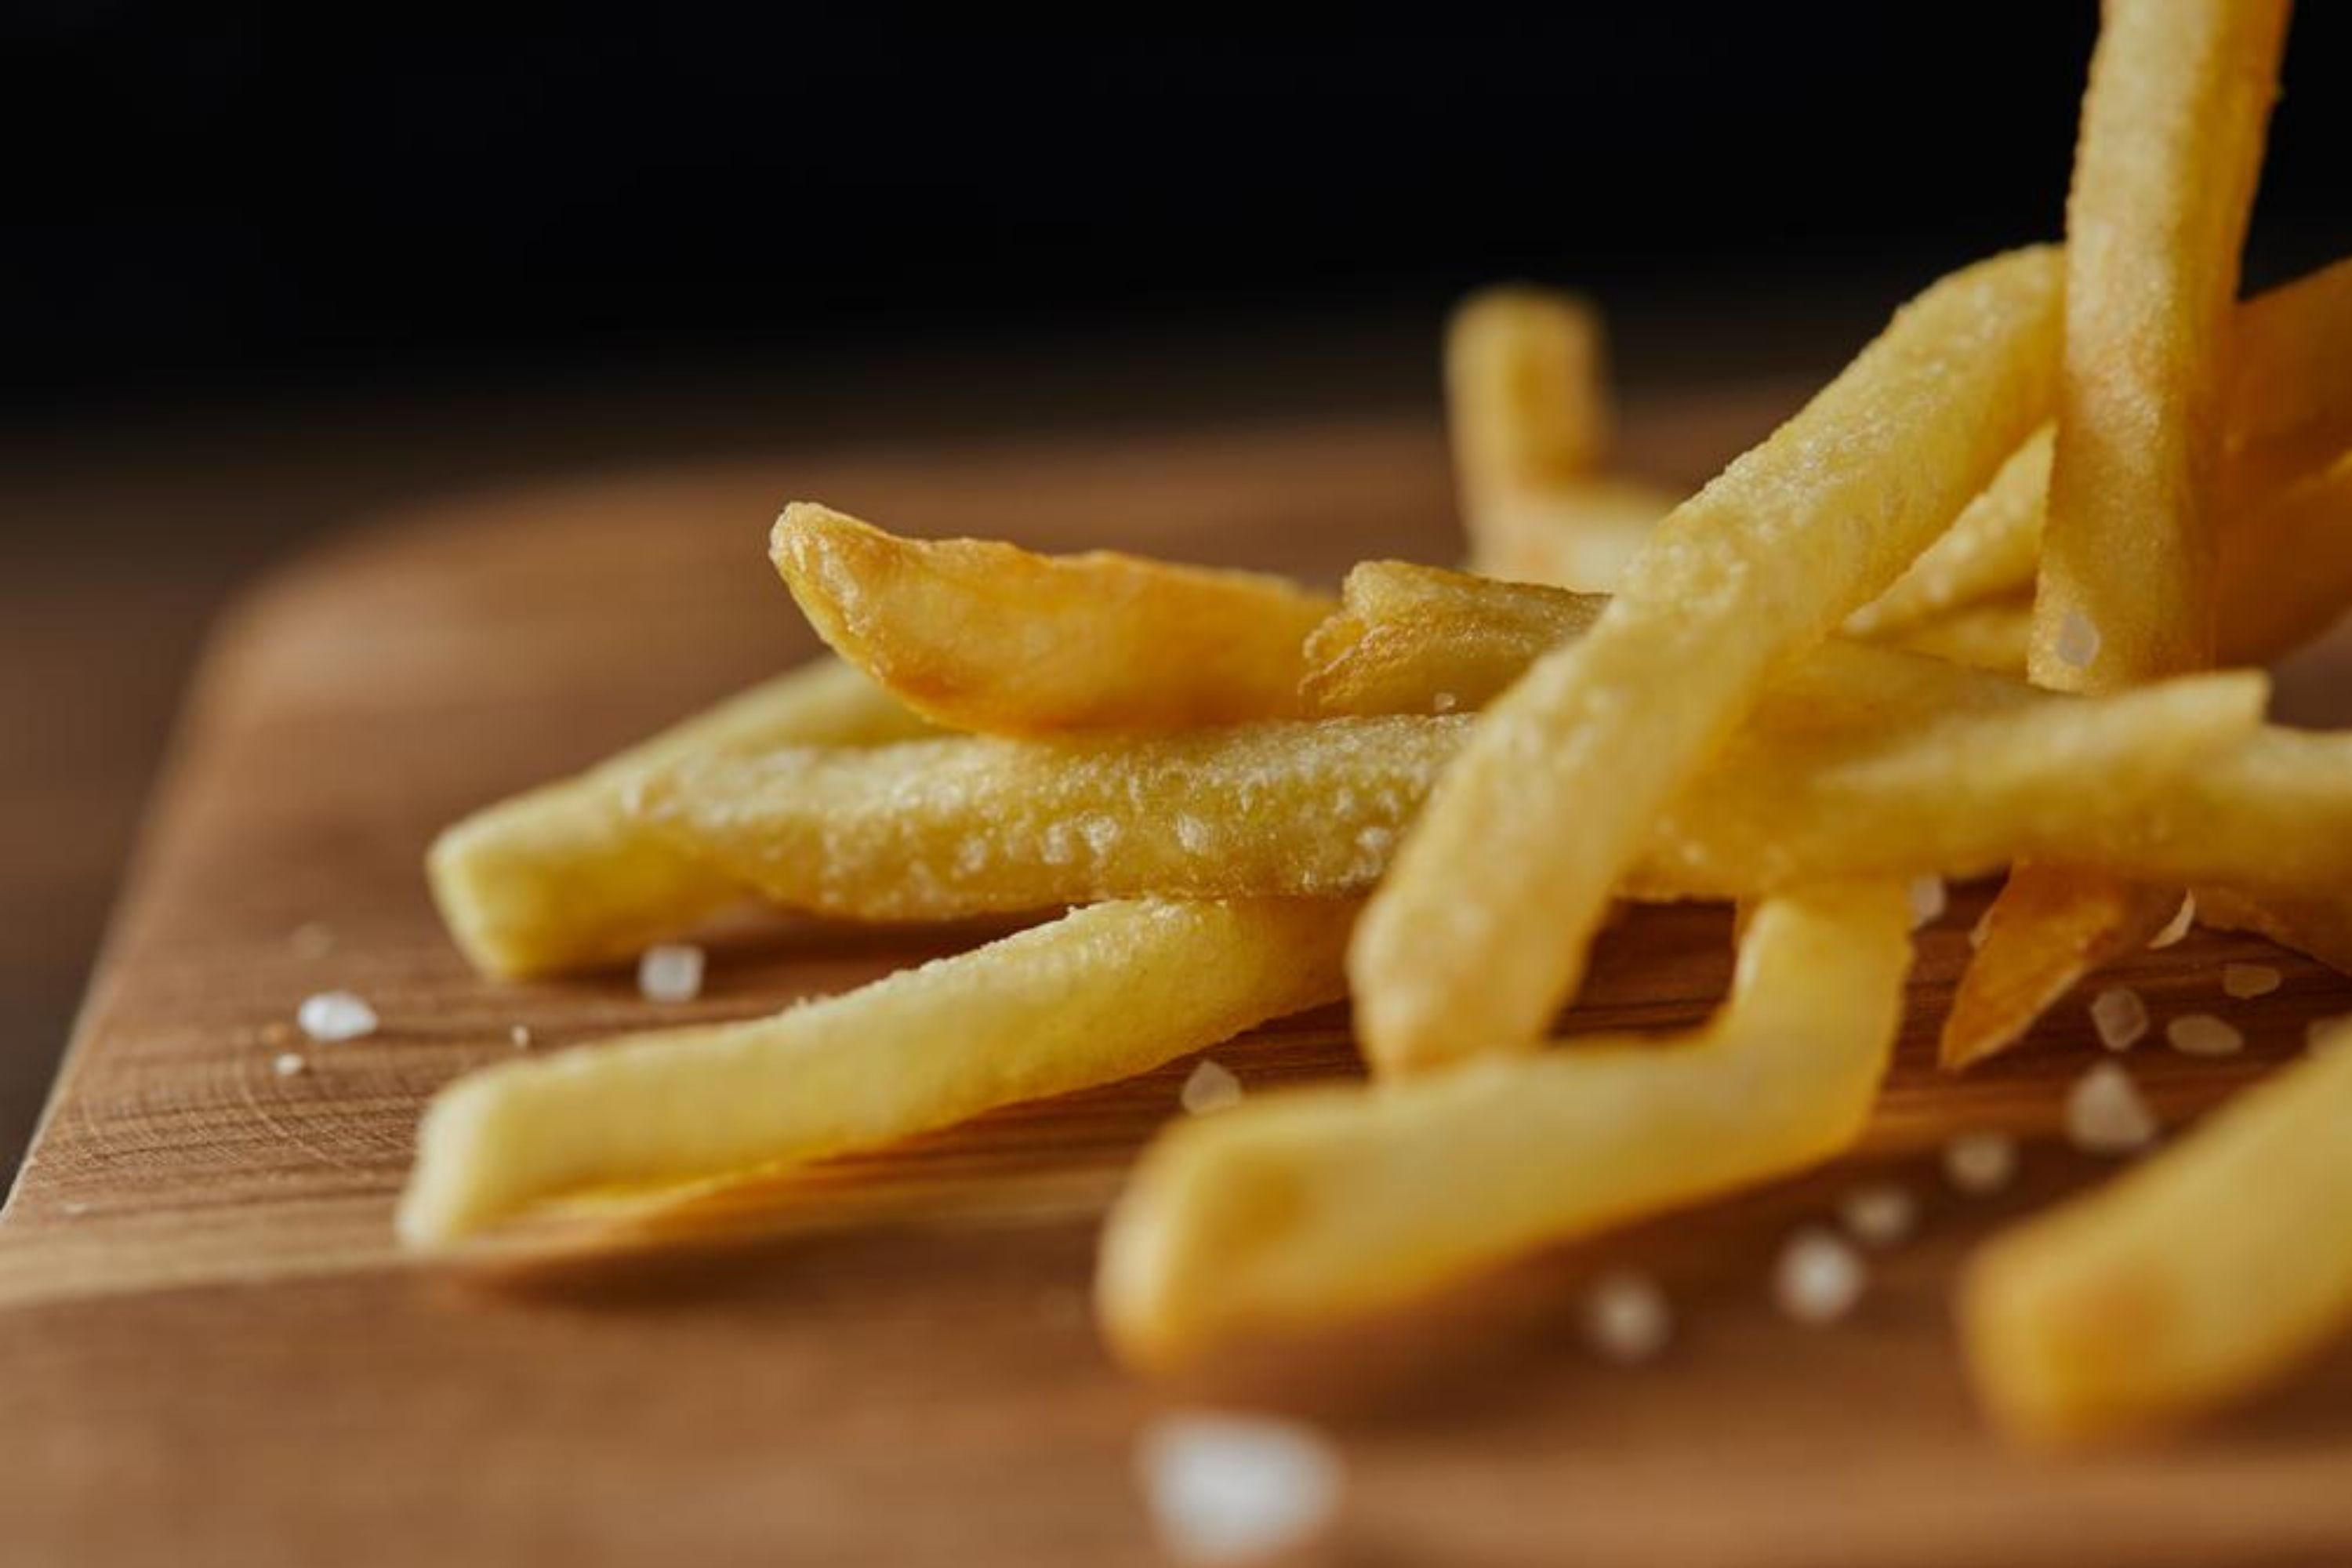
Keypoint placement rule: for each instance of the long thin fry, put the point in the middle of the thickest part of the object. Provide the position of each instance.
(2286, 570)
(1294, 1209)
(2290, 397)
(988, 637)
(1841, 775)
(1100, 995)
(1481, 928)
(2182, 1285)
(1994, 635)
(2165, 170)
(563, 877)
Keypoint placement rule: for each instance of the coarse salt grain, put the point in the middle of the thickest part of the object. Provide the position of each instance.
(287, 1063)
(2177, 926)
(1211, 1088)
(1879, 1215)
(2106, 1115)
(1980, 1162)
(1818, 1279)
(1626, 1318)
(670, 972)
(1928, 901)
(521, 1035)
(332, 1016)
(1445, 702)
(2120, 1017)
(2244, 982)
(1235, 1488)
(2077, 643)
(2203, 1035)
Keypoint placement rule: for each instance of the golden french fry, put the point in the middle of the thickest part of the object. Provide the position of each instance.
(1993, 636)
(2286, 570)
(561, 877)
(1526, 397)
(1989, 553)
(1840, 774)
(1296, 1208)
(2182, 1285)
(988, 637)
(2291, 382)
(1480, 929)
(2317, 925)
(2172, 144)
(1421, 639)
(1099, 995)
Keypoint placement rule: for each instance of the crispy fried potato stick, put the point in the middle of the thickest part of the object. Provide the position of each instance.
(2183, 1284)
(1989, 553)
(2317, 925)
(2170, 148)
(1420, 639)
(992, 638)
(1842, 774)
(1299, 1208)
(561, 877)
(1526, 397)
(1480, 929)
(1993, 636)
(1099, 995)
(2286, 570)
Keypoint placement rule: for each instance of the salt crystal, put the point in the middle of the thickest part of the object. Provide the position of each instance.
(1626, 1318)
(1980, 1162)
(2106, 1115)
(2077, 643)
(1192, 834)
(670, 972)
(2203, 1035)
(332, 1016)
(1879, 1215)
(2120, 1017)
(1235, 1488)
(2177, 926)
(2244, 982)
(313, 939)
(1445, 702)
(1928, 901)
(1818, 1279)
(287, 1063)
(1211, 1088)
(521, 1035)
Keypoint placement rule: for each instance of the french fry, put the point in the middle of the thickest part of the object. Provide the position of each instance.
(2291, 385)
(1993, 636)
(992, 638)
(1528, 404)
(1989, 553)
(2286, 572)
(2165, 169)
(1480, 929)
(1297, 1208)
(563, 877)
(2317, 925)
(1839, 775)
(2182, 1285)
(1421, 639)
(1099, 995)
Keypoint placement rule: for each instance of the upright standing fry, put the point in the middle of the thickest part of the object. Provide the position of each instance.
(1480, 930)
(2165, 168)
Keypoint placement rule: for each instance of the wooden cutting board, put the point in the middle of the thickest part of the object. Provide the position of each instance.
(211, 1353)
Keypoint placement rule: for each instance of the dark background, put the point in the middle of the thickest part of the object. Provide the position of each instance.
(263, 273)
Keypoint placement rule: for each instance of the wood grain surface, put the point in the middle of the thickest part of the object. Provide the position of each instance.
(212, 1354)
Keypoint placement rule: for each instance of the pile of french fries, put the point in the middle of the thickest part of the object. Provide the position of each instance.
(1961, 616)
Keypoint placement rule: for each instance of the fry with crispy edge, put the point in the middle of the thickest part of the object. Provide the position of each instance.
(1480, 929)
(2171, 146)
(1855, 767)
(1100, 995)
(1297, 1208)
(2182, 1285)
(1989, 553)
(563, 877)
(991, 638)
